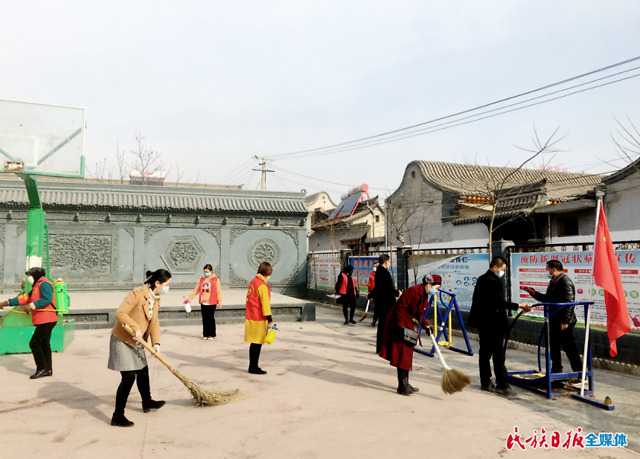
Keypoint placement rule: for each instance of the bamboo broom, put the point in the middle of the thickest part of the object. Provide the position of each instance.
(366, 311)
(452, 380)
(201, 396)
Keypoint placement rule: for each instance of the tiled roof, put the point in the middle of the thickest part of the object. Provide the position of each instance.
(468, 179)
(129, 197)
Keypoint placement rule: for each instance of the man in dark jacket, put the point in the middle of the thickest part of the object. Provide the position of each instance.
(384, 295)
(489, 314)
(563, 320)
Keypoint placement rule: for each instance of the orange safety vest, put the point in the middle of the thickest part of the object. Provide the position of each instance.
(213, 288)
(254, 305)
(344, 283)
(43, 315)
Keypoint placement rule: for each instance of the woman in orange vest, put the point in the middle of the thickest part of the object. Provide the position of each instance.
(347, 289)
(210, 298)
(258, 319)
(139, 310)
(40, 303)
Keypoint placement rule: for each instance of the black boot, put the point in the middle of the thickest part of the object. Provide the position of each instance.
(403, 383)
(151, 404)
(119, 420)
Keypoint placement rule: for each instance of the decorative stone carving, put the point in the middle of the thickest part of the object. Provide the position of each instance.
(81, 253)
(148, 232)
(264, 249)
(183, 254)
(215, 232)
(130, 232)
(293, 234)
(235, 280)
(235, 232)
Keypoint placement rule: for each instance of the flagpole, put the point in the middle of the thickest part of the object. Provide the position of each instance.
(587, 324)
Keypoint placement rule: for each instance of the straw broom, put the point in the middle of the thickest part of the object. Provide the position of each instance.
(452, 380)
(201, 396)
(366, 311)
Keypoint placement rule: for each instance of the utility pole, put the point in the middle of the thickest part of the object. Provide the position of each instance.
(263, 171)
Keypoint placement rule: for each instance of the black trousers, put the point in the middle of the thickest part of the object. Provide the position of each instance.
(208, 312)
(254, 356)
(40, 345)
(126, 383)
(348, 303)
(563, 340)
(492, 347)
(383, 314)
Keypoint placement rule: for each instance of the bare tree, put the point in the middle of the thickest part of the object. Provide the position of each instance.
(101, 172)
(146, 160)
(496, 189)
(120, 163)
(628, 144)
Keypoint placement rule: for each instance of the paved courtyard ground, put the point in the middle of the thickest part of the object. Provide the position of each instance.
(326, 395)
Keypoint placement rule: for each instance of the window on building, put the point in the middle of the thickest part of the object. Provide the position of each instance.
(377, 218)
(568, 226)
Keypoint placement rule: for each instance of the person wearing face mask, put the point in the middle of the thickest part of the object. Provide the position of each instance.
(40, 303)
(258, 320)
(139, 310)
(407, 313)
(489, 315)
(210, 298)
(562, 323)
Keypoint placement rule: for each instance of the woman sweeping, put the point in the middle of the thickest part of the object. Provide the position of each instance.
(210, 297)
(139, 310)
(402, 320)
(258, 319)
(40, 303)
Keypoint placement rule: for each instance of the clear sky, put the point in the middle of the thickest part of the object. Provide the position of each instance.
(209, 84)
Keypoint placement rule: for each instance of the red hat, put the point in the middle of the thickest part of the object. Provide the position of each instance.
(432, 279)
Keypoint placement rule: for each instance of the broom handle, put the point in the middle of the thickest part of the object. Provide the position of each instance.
(437, 347)
(148, 347)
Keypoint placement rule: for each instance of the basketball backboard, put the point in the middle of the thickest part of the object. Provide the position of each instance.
(41, 139)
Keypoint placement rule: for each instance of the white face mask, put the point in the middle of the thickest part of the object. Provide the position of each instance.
(30, 279)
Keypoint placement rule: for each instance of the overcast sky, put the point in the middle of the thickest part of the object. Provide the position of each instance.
(209, 84)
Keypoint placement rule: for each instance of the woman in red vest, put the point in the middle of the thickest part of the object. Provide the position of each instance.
(210, 298)
(258, 319)
(348, 290)
(40, 303)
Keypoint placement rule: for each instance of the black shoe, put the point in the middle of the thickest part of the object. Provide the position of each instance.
(404, 390)
(490, 387)
(41, 374)
(413, 389)
(120, 421)
(351, 321)
(152, 405)
(373, 324)
(346, 322)
(504, 390)
(257, 371)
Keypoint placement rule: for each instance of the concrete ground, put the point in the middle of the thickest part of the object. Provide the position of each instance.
(326, 395)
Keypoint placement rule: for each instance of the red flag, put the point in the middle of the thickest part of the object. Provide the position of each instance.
(607, 275)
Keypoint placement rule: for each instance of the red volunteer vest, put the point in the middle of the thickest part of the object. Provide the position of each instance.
(213, 288)
(43, 315)
(254, 305)
(344, 283)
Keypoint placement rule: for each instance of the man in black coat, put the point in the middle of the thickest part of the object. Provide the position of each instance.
(489, 314)
(563, 320)
(384, 295)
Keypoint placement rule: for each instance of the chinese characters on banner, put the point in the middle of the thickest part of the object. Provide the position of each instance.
(459, 276)
(323, 271)
(528, 270)
(362, 267)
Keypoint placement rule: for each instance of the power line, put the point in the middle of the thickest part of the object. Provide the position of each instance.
(344, 145)
(433, 129)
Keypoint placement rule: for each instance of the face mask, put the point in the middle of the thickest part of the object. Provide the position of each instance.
(549, 275)
(164, 290)
(433, 291)
(207, 274)
(30, 280)
(500, 273)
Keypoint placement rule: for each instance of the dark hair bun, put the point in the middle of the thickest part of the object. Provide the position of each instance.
(149, 274)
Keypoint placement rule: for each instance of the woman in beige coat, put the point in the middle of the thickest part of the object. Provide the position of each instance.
(139, 310)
